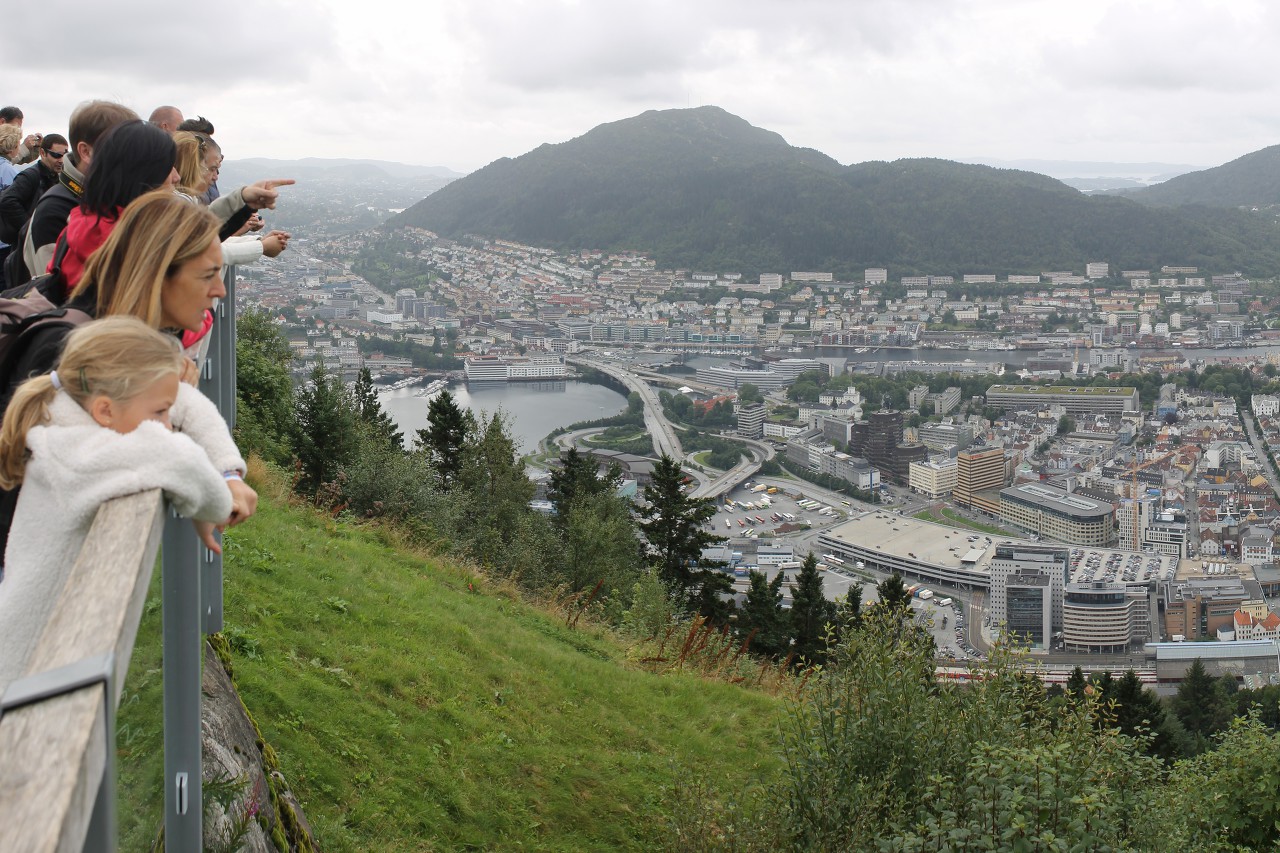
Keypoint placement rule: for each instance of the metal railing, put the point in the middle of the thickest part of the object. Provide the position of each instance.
(57, 732)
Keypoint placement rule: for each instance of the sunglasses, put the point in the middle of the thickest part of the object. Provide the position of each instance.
(57, 155)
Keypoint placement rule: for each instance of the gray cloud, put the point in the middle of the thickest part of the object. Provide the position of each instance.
(179, 43)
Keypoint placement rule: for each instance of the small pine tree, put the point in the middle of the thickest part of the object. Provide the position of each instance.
(448, 427)
(1076, 683)
(893, 594)
(762, 617)
(1201, 704)
(379, 424)
(674, 525)
(811, 612)
(326, 437)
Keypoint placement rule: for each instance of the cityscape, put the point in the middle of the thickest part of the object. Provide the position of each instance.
(1101, 525)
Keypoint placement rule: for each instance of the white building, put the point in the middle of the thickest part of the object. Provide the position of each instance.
(932, 479)
(1265, 405)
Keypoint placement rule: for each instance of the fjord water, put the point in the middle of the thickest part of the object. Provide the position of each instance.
(534, 408)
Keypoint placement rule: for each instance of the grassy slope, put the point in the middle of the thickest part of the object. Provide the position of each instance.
(410, 712)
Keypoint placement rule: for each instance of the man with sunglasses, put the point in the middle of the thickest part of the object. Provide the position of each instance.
(19, 200)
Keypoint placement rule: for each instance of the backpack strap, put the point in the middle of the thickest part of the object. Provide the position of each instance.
(60, 252)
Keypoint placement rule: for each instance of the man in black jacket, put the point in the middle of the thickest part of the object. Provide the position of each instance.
(19, 200)
(88, 123)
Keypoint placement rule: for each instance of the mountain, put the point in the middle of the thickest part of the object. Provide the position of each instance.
(701, 188)
(1249, 181)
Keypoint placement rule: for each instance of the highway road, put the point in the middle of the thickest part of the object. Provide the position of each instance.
(660, 429)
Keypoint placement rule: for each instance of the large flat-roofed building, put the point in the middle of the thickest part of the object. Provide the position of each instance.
(1237, 659)
(1056, 514)
(736, 377)
(1076, 400)
(1115, 616)
(928, 552)
(978, 469)
(1026, 591)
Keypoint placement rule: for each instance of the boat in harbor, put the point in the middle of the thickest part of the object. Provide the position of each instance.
(436, 386)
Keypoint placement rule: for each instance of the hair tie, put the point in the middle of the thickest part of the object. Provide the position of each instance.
(53, 377)
(84, 382)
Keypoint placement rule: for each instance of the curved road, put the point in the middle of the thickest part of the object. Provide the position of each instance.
(664, 436)
(660, 429)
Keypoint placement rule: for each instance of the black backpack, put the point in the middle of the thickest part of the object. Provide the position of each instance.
(26, 308)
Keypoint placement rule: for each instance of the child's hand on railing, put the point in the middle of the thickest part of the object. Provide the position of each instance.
(204, 529)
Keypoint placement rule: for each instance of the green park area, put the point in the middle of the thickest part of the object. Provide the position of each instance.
(951, 518)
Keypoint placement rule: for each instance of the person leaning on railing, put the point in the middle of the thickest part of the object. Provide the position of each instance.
(162, 263)
(95, 430)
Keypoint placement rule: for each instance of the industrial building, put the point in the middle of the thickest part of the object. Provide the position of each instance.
(1076, 400)
(1086, 599)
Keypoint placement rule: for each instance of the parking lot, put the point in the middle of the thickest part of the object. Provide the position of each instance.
(746, 515)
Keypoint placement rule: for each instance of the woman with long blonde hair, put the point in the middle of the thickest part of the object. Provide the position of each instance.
(162, 265)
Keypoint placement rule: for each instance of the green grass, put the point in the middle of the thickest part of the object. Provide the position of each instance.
(952, 518)
(414, 706)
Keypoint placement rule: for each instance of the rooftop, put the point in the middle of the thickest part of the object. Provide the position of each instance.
(1058, 500)
(1082, 391)
(949, 547)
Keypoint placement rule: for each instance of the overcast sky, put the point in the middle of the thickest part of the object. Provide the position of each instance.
(459, 83)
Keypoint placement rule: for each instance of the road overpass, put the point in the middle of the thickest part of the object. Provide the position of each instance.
(660, 429)
(664, 435)
(738, 474)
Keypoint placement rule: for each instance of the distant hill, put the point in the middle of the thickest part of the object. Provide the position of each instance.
(1249, 181)
(704, 189)
(336, 196)
(308, 166)
(1094, 175)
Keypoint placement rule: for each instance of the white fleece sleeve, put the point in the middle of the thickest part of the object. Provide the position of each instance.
(86, 465)
(237, 251)
(195, 415)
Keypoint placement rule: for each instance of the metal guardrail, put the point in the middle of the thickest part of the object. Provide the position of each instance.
(57, 732)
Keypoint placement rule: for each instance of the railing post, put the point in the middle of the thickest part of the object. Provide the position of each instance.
(192, 598)
(183, 647)
(218, 382)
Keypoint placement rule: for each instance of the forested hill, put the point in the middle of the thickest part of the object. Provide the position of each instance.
(1249, 181)
(704, 189)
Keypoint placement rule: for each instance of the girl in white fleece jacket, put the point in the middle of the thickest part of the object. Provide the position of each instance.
(97, 428)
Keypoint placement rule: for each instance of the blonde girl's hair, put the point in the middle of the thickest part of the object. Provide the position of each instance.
(190, 161)
(156, 234)
(10, 140)
(117, 358)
